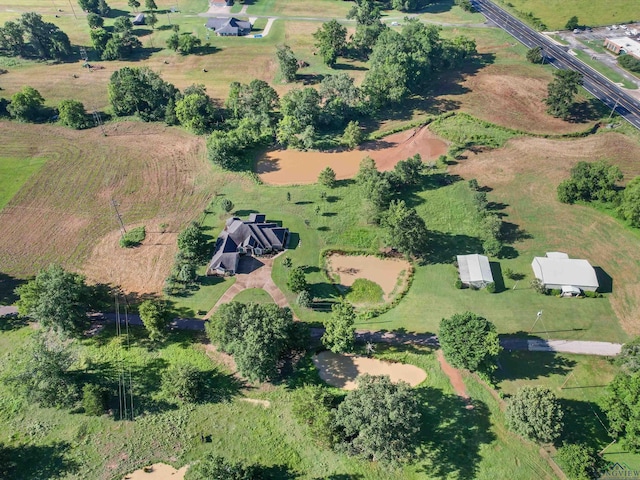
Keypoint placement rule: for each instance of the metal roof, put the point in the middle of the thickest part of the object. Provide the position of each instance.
(474, 268)
(564, 271)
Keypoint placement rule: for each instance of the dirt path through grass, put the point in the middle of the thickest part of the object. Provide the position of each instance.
(454, 376)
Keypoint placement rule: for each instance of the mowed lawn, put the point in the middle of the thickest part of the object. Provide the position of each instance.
(14, 172)
(556, 13)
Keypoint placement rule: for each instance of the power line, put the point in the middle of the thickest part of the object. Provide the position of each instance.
(98, 119)
(115, 204)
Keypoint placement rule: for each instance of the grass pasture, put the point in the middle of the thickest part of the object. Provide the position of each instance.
(253, 295)
(556, 13)
(14, 173)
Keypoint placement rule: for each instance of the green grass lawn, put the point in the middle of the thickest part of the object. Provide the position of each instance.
(14, 172)
(580, 382)
(605, 70)
(556, 13)
(253, 295)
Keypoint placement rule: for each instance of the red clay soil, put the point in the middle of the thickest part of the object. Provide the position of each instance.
(454, 376)
(285, 167)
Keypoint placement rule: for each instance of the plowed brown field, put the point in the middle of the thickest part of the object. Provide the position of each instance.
(63, 214)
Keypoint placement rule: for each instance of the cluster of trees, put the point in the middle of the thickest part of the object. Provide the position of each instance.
(215, 467)
(184, 43)
(258, 336)
(535, 55)
(30, 36)
(405, 230)
(378, 421)
(561, 92)
(490, 222)
(97, 7)
(405, 63)
(598, 182)
(192, 251)
(629, 62)
(113, 45)
(27, 105)
(141, 92)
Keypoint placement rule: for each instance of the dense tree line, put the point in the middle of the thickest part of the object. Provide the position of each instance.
(30, 36)
(192, 251)
(27, 105)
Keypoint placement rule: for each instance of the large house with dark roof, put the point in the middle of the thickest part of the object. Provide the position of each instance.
(229, 27)
(253, 237)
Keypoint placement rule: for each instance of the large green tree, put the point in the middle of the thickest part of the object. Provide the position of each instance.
(12, 39)
(72, 114)
(255, 100)
(303, 105)
(195, 110)
(155, 317)
(183, 382)
(214, 467)
(405, 229)
(379, 420)
(327, 177)
(469, 341)
(535, 413)
(141, 92)
(296, 280)
(339, 328)
(256, 335)
(57, 299)
(561, 92)
(341, 99)
(330, 40)
(288, 63)
(45, 38)
(313, 406)
(192, 242)
(629, 357)
(375, 188)
(590, 181)
(42, 372)
(26, 105)
(621, 406)
(630, 203)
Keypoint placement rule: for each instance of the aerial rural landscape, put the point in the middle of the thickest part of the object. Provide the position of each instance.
(319, 239)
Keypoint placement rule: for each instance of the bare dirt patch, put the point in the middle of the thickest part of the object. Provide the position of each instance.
(342, 370)
(158, 471)
(63, 214)
(384, 271)
(283, 167)
(512, 101)
(524, 176)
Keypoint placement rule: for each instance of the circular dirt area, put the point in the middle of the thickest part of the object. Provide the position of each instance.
(158, 471)
(284, 167)
(342, 370)
(383, 271)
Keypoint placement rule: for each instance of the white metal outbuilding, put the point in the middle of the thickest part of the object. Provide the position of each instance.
(474, 270)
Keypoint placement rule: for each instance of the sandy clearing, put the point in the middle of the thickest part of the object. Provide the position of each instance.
(283, 167)
(342, 370)
(384, 272)
(158, 471)
(141, 269)
(255, 401)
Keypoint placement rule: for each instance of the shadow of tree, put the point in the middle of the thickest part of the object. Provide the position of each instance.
(443, 247)
(36, 462)
(525, 365)
(451, 435)
(8, 285)
(584, 423)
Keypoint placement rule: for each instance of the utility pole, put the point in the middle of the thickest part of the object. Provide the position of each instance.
(98, 120)
(614, 108)
(114, 204)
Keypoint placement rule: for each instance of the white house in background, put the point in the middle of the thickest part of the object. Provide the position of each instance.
(557, 271)
(475, 270)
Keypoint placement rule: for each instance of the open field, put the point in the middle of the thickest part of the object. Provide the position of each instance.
(53, 443)
(283, 167)
(14, 172)
(64, 214)
(556, 13)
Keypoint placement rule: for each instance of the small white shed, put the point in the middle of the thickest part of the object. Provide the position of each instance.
(475, 270)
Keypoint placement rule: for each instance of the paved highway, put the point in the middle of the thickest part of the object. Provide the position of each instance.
(598, 85)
